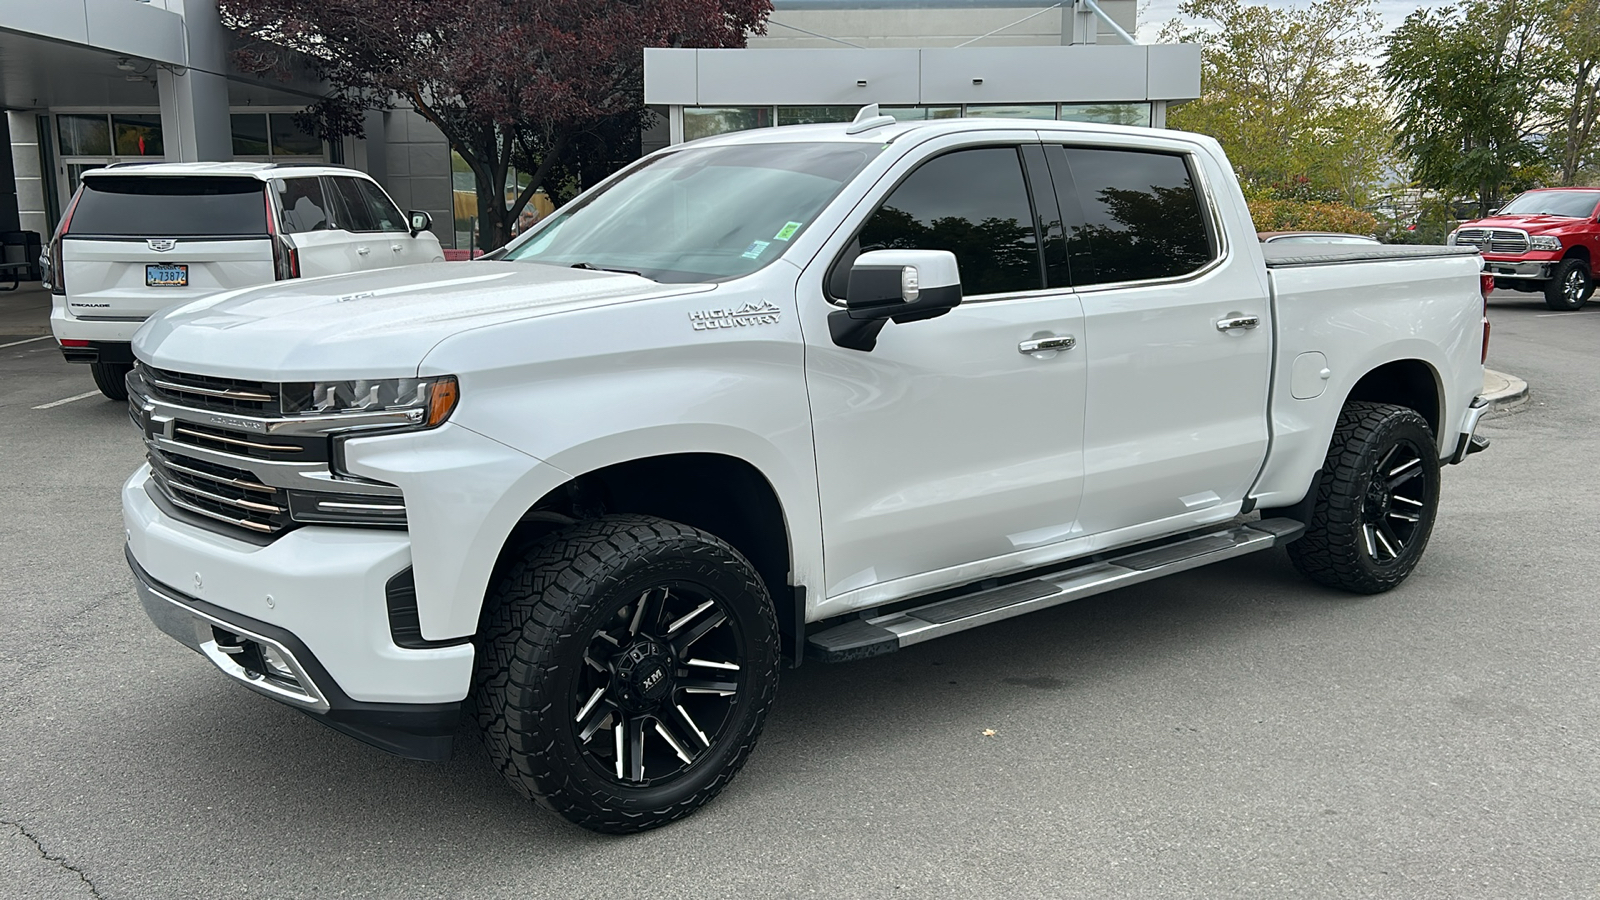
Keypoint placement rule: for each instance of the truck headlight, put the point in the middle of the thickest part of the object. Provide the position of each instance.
(429, 401)
(1544, 242)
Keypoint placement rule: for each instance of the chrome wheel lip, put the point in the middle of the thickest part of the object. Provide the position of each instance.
(642, 742)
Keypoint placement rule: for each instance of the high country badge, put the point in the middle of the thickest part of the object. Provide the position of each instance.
(763, 313)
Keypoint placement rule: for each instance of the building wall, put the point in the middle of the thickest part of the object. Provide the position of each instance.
(930, 24)
(414, 167)
(30, 187)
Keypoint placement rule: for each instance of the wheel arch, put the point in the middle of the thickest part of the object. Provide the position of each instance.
(721, 494)
(1579, 251)
(1411, 383)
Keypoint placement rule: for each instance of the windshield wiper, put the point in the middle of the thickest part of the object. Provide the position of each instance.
(594, 268)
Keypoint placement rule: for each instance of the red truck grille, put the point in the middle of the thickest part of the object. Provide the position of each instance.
(1494, 240)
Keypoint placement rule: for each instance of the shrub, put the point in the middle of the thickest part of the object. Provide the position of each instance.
(1296, 215)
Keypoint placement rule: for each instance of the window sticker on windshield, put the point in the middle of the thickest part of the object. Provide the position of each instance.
(787, 231)
(755, 249)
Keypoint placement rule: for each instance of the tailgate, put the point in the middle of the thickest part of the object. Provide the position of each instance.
(130, 279)
(136, 242)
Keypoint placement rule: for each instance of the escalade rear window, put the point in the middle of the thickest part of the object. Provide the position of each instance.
(143, 206)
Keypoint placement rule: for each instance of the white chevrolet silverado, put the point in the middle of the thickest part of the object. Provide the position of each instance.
(826, 391)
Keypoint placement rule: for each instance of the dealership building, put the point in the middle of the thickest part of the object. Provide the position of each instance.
(88, 83)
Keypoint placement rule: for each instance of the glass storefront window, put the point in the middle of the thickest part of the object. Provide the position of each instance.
(1107, 113)
(705, 121)
(289, 140)
(812, 115)
(249, 134)
(922, 113)
(84, 135)
(137, 135)
(1014, 111)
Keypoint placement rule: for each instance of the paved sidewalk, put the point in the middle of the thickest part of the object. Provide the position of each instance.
(25, 311)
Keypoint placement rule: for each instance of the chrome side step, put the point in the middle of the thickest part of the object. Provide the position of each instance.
(887, 633)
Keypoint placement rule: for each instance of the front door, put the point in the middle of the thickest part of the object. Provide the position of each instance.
(948, 452)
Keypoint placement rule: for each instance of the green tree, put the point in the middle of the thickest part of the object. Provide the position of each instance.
(1466, 84)
(1574, 102)
(1289, 93)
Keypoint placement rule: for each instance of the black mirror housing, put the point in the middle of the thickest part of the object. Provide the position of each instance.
(894, 285)
(420, 222)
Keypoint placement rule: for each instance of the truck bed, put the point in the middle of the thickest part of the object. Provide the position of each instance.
(1289, 256)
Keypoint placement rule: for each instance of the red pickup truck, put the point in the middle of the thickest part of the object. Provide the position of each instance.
(1545, 240)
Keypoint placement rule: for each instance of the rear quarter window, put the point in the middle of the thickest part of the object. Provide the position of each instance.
(140, 206)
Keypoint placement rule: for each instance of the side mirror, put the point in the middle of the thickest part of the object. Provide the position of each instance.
(420, 222)
(894, 285)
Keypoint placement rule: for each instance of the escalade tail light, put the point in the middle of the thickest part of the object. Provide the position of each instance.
(58, 275)
(285, 258)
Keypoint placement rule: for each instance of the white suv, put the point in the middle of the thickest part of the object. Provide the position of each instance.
(139, 238)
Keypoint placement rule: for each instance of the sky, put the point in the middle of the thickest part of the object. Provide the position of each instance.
(1157, 12)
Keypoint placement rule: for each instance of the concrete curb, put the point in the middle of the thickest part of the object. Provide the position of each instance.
(1504, 391)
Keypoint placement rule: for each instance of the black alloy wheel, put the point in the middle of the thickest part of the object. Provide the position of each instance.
(1375, 501)
(625, 667)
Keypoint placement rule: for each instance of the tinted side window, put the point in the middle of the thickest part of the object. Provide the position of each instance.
(356, 215)
(1142, 217)
(303, 204)
(973, 203)
(383, 209)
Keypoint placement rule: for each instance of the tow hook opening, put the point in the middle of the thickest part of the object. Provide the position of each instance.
(260, 664)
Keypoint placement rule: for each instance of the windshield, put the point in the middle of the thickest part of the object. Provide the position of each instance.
(701, 214)
(1572, 204)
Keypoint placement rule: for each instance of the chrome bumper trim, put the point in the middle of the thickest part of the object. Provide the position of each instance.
(1533, 271)
(1465, 445)
(193, 629)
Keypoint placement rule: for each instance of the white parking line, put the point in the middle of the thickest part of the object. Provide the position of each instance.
(28, 341)
(68, 400)
(1553, 315)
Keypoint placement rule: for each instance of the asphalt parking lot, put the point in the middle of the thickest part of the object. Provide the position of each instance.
(1229, 732)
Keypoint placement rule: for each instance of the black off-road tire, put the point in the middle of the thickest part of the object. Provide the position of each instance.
(1376, 499)
(591, 620)
(111, 379)
(1570, 285)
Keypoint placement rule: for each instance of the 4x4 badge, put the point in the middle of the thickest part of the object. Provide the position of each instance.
(763, 313)
(162, 245)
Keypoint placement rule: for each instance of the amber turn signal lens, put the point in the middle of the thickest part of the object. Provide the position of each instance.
(442, 400)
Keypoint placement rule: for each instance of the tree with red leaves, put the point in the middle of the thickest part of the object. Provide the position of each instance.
(524, 83)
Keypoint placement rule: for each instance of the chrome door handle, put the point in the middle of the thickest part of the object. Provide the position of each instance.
(1040, 345)
(363, 250)
(1233, 322)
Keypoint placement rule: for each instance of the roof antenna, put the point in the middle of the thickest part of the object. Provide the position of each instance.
(867, 119)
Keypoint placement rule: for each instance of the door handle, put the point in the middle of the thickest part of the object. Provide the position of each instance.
(1233, 322)
(363, 250)
(1040, 345)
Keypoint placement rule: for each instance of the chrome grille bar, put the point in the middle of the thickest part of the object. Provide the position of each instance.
(236, 442)
(233, 482)
(211, 392)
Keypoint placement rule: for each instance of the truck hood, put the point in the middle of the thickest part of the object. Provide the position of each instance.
(1530, 224)
(371, 324)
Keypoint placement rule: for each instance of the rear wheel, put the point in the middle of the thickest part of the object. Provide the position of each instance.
(1569, 286)
(1375, 503)
(111, 378)
(625, 667)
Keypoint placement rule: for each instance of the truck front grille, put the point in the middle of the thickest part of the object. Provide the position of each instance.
(214, 393)
(255, 446)
(220, 493)
(1494, 240)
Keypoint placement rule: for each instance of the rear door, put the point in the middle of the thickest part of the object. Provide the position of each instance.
(1178, 335)
(138, 243)
(404, 248)
(368, 247)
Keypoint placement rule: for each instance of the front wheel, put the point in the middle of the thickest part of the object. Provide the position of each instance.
(625, 667)
(1375, 504)
(1569, 286)
(112, 379)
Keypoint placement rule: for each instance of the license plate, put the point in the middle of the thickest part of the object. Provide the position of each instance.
(166, 275)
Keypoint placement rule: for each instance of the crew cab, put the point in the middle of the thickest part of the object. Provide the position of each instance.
(822, 392)
(1544, 241)
(140, 237)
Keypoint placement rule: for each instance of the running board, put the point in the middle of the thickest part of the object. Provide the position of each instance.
(887, 633)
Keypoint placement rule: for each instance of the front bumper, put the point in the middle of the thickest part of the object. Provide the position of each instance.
(1519, 269)
(317, 593)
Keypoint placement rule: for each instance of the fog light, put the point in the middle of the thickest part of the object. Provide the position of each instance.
(276, 665)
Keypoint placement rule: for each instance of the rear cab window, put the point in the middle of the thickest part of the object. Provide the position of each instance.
(1131, 215)
(145, 206)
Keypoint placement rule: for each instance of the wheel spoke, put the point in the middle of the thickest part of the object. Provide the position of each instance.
(1384, 541)
(635, 749)
(684, 722)
(681, 644)
(1384, 463)
(1372, 546)
(594, 715)
(677, 746)
(1405, 476)
(648, 610)
(1404, 466)
(707, 686)
(706, 663)
(1404, 517)
(1408, 500)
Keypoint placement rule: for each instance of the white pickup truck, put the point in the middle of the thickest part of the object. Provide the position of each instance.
(824, 391)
